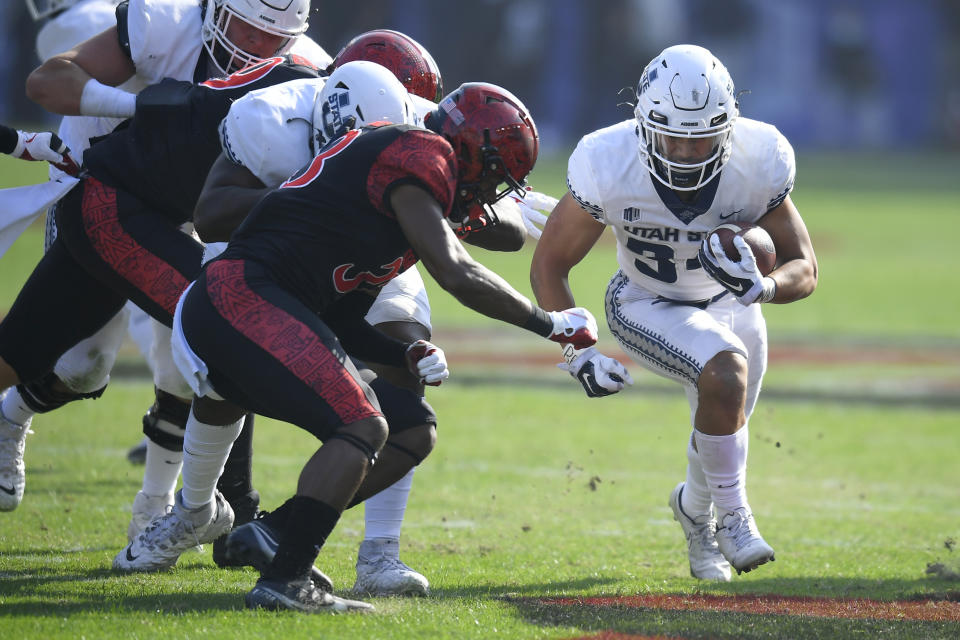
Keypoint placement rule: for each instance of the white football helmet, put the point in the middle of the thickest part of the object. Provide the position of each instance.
(356, 94)
(285, 18)
(686, 108)
(40, 9)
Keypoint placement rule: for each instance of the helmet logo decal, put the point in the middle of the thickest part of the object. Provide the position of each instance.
(455, 114)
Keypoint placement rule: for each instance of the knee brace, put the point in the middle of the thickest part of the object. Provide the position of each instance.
(173, 413)
(417, 459)
(42, 395)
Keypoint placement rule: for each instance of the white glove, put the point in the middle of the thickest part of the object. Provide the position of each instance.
(45, 146)
(428, 362)
(599, 375)
(743, 279)
(530, 206)
(575, 326)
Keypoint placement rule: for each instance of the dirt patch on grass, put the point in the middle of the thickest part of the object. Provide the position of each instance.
(933, 610)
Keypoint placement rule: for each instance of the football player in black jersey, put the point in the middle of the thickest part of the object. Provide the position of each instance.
(269, 324)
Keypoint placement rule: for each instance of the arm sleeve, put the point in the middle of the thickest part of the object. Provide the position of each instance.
(346, 318)
(417, 157)
(582, 183)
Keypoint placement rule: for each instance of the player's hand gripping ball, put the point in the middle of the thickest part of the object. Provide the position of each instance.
(759, 241)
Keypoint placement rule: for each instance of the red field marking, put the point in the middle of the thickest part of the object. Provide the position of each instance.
(610, 635)
(929, 610)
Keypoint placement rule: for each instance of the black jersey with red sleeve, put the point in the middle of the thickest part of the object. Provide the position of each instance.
(163, 154)
(330, 228)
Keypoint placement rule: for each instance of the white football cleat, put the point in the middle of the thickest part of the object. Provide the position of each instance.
(706, 561)
(740, 541)
(299, 595)
(160, 545)
(146, 509)
(12, 472)
(381, 573)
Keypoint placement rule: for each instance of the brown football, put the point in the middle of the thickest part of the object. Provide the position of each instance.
(756, 237)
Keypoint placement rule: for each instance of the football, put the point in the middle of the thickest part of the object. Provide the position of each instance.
(756, 237)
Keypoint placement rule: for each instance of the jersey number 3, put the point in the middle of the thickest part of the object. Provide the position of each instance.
(657, 260)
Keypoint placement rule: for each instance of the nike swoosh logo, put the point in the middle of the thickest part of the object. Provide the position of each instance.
(727, 486)
(732, 213)
(7, 491)
(130, 556)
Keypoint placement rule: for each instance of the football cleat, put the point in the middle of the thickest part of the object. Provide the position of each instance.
(146, 509)
(740, 541)
(160, 545)
(12, 471)
(706, 561)
(299, 595)
(255, 544)
(381, 573)
(245, 509)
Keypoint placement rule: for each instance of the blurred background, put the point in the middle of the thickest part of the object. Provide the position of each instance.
(831, 74)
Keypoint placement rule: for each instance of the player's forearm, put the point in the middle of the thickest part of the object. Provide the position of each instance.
(57, 86)
(796, 279)
(485, 292)
(505, 235)
(551, 288)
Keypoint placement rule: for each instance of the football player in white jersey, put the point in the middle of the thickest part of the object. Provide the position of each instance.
(98, 78)
(662, 181)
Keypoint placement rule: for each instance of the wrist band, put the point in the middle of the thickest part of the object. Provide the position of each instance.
(98, 99)
(539, 322)
(769, 290)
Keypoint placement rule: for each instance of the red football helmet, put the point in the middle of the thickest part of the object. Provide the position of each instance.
(405, 57)
(494, 140)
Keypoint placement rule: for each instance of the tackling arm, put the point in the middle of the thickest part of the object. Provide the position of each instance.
(58, 84)
(796, 271)
(569, 234)
(228, 195)
(448, 262)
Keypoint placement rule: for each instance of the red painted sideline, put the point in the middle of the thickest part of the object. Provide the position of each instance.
(931, 610)
(611, 635)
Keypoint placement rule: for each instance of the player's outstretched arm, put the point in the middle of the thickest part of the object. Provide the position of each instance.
(472, 284)
(796, 272)
(568, 235)
(228, 195)
(63, 84)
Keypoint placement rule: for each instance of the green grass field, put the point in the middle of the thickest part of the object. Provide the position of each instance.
(536, 493)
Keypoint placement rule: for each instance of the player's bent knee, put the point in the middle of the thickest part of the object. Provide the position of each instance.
(49, 393)
(216, 412)
(416, 442)
(725, 374)
(368, 435)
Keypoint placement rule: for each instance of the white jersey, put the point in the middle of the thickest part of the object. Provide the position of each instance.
(658, 236)
(268, 131)
(80, 22)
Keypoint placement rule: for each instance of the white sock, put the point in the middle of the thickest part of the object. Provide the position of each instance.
(162, 470)
(205, 451)
(14, 408)
(383, 513)
(724, 462)
(695, 499)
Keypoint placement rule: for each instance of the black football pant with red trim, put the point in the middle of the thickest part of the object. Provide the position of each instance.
(269, 353)
(111, 247)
